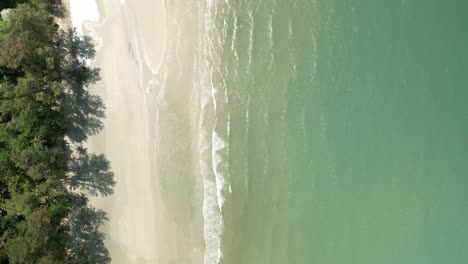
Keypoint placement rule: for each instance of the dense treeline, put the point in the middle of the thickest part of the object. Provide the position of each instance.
(42, 4)
(46, 112)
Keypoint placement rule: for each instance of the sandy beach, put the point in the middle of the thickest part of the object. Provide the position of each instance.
(130, 40)
(154, 214)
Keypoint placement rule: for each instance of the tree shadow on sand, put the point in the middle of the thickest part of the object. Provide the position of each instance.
(88, 173)
(83, 110)
(91, 173)
(86, 242)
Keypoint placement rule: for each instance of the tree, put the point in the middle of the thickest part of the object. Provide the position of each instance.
(42, 102)
(38, 237)
(31, 102)
(28, 40)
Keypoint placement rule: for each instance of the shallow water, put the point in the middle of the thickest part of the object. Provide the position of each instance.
(314, 131)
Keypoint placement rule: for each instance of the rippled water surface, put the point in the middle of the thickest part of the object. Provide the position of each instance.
(317, 131)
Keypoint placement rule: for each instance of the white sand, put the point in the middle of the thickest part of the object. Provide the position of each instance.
(132, 37)
(81, 11)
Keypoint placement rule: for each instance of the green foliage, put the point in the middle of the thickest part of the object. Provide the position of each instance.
(38, 237)
(28, 40)
(43, 100)
(30, 101)
(39, 4)
(3, 27)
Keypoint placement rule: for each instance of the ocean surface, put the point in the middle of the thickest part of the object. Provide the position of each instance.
(314, 131)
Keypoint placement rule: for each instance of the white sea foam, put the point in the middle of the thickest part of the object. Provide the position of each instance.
(213, 145)
(212, 198)
(251, 36)
(234, 37)
(270, 32)
(271, 43)
(219, 149)
(290, 29)
(213, 222)
(314, 60)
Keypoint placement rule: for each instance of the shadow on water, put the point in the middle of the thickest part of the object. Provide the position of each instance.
(88, 173)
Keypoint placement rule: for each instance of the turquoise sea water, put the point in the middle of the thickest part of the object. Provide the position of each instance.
(332, 131)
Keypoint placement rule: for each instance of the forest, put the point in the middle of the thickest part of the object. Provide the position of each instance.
(46, 115)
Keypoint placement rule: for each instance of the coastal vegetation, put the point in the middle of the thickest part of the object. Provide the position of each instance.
(46, 114)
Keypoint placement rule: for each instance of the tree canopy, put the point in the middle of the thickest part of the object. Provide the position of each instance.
(46, 112)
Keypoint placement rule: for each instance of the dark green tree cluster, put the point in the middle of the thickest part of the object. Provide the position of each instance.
(43, 4)
(46, 112)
